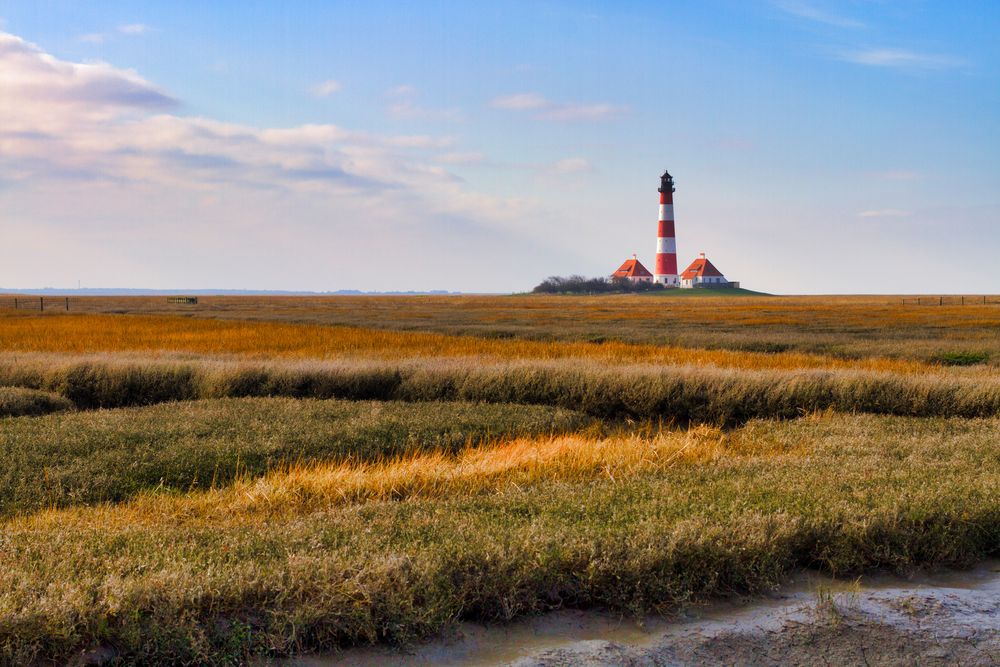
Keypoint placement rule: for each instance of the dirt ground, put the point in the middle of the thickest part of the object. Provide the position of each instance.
(944, 619)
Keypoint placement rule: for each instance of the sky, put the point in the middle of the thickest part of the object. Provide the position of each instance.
(818, 146)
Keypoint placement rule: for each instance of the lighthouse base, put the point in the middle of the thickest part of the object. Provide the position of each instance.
(667, 280)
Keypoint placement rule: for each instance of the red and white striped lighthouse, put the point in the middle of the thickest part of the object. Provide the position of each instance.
(665, 271)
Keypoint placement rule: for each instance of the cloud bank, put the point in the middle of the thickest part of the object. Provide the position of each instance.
(92, 149)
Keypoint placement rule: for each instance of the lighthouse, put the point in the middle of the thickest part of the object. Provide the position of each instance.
(665, 272)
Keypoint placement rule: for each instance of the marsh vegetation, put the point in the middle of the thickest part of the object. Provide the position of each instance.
(209, 489)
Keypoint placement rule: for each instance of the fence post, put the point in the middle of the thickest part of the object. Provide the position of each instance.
(940, 300)
(963, 301)
(41, 303)
(67, 304)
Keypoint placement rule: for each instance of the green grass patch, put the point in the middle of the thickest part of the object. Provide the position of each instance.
(960, 358)
(111, 455)
(698, 292)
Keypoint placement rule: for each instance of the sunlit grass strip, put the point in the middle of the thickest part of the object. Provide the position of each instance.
(88, 457)
(82, 334)
(481, 469)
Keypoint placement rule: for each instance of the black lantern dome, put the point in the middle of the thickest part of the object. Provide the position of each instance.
(666, 182)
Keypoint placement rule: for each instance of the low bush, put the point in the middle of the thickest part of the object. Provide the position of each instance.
(581, 285)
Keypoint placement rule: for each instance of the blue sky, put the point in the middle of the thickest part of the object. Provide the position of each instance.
(818, 145)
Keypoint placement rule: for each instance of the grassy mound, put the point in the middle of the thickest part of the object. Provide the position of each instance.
(18, 401)
(112, 455)
(683, 393)
(706, 291)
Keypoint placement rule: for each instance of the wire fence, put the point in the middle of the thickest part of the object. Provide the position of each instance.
(36, 303)
(65, 304)
(951, 300)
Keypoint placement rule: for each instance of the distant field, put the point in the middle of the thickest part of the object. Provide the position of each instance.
(264, 477)
(847, 327)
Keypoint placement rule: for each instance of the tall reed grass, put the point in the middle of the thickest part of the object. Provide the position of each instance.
(683, 393)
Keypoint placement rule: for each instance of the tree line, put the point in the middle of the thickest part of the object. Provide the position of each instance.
(583, 285)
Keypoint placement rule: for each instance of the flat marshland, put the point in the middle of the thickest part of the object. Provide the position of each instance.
(264, 477)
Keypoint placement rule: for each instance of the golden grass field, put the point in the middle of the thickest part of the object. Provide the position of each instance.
(256, 478)
(846, 326)
(82, 334)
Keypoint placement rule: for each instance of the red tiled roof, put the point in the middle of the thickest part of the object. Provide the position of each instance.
(632, 268)
(700, 268)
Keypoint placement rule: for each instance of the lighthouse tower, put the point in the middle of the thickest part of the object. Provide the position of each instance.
(665, 272)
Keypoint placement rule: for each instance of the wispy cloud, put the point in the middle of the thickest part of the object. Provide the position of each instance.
(901, 59)
(133, 29)
(325, 88)
(898, 175)
(403, 90)
(403, 104)
(810, 12)
(885, 213)
(520, 102)
(545, 109)
(411, 110)
(571, 165)
(735, 144)
(462, 158)
(419, 141)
